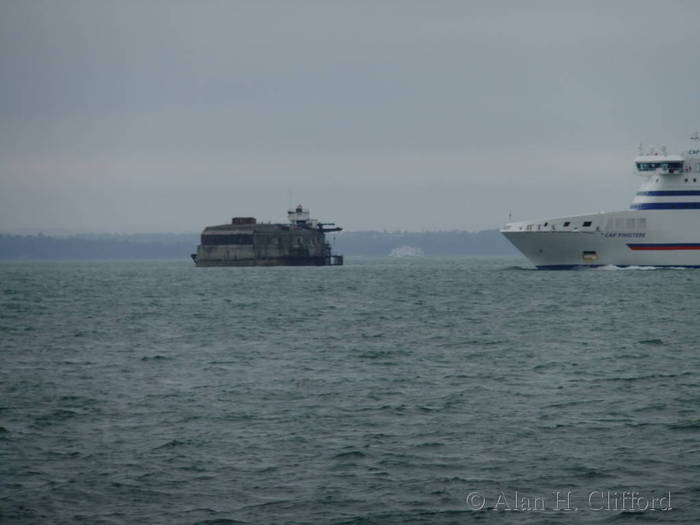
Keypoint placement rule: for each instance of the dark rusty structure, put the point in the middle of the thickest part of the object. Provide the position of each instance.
(245, 242)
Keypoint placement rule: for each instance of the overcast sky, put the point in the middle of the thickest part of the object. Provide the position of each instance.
(166, 116)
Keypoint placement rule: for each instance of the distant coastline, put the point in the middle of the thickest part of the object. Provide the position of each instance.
(179, 246)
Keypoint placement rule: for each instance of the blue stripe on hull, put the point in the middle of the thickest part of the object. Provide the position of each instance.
(666, 206)
(668, 193)
(664, 246)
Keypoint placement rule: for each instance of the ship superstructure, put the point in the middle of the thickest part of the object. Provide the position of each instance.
(245, 242)
(661, 228)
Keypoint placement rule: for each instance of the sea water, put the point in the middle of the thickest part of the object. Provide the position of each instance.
(409, 390)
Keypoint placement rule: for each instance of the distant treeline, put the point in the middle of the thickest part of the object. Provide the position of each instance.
(487, 242)
(180, 246)
(151, 246)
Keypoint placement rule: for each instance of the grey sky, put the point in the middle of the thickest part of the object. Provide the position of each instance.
(150, 116)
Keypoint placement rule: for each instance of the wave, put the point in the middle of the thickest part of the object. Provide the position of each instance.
(612, 267)
(519, 269)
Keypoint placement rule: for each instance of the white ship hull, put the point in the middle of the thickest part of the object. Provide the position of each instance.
(662, 228)
(661, 243)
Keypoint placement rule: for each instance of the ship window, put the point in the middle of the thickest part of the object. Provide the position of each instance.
(586, 224)
(630, 224)
(674, 167)
(671, 167)
(619, 223)
(641, 224)
(567, 223)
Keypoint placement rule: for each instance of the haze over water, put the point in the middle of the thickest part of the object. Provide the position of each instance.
(384, 391)
(141, 116)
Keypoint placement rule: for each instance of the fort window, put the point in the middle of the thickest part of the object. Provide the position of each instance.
(219, 240)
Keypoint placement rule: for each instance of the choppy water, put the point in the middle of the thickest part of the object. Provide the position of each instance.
(384, 391)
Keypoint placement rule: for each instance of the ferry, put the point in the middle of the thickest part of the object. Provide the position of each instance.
(661, 228)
